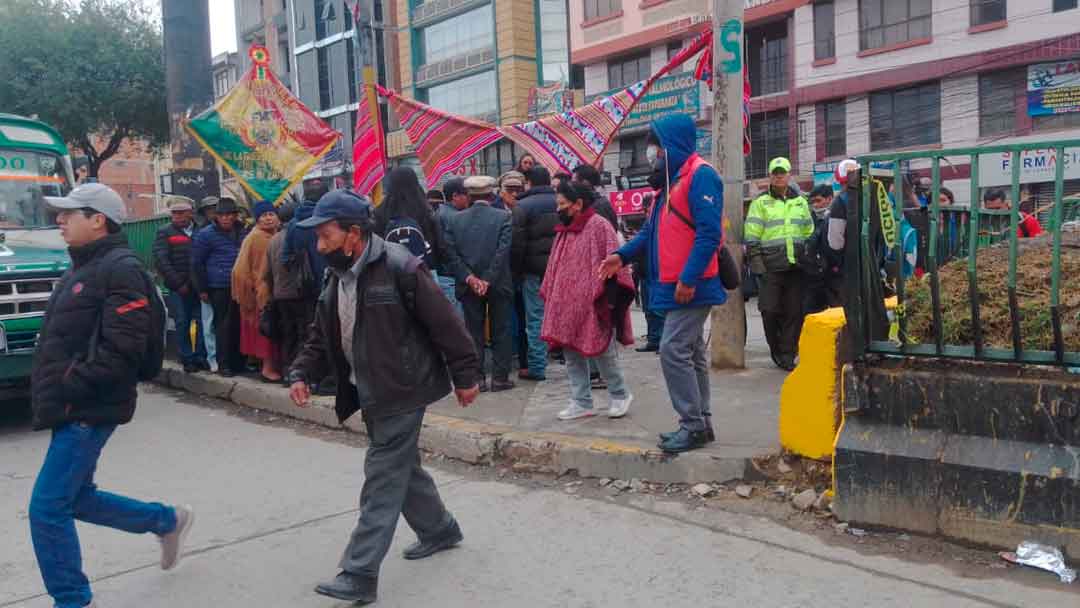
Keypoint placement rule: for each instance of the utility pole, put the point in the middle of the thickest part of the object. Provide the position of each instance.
(728, 335)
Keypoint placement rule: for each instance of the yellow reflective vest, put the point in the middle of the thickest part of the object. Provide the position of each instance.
(773, 223)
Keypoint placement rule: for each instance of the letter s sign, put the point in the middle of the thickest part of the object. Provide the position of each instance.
(731, 41)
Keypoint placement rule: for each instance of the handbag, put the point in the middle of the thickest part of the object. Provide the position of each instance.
(268, 325)
(728, 270)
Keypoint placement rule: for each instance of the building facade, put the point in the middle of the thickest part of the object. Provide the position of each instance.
(836, 78)
(481, 59)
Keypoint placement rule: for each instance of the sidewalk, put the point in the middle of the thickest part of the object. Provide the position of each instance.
(519, 427)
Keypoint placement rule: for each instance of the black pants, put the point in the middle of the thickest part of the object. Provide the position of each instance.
(395, 484)
(495, 306)
(520, 338)
(226, 330)
(293, 318)
(821, 292)
(781, 303)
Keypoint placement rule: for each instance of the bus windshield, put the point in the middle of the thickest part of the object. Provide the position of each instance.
(25, 177)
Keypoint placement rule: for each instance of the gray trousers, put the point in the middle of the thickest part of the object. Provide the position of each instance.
(394, 484)
(686, 365)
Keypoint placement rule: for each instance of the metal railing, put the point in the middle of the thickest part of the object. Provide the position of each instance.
(963, 237)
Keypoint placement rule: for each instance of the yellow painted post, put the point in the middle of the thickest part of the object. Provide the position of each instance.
(810, 398)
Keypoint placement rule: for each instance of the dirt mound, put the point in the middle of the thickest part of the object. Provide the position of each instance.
(1033, 296)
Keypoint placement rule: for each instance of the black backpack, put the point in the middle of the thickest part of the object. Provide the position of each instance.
(153, 358)
(406, 231)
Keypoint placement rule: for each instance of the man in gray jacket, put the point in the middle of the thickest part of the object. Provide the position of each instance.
(478, 252)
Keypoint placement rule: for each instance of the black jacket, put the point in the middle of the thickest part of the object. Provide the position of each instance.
(534, 220)
(404, 349)
(603, 208)
(65, 386)
(479, 244)
(172, 257)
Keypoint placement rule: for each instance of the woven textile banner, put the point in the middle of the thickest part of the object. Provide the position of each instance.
(262, 134)
(369, 149)
(443, 141)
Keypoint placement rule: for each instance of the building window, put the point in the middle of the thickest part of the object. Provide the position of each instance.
(824, 30)
(632, 157)
(596, 9)
(1064, 5)
(554, 42)
(324, 77)
(628, 70)
(457, 35)
(221, 83)
(1056, 122)
(836, 128)
(997, 102)
(673, 49)
(768, 139)
(987, 11)
(350, 63)
(474, 95)
(767, 47)
(887, 22)
(905, 117)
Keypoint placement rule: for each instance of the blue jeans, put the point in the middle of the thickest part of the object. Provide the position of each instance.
(534, 318)
(65, 491)
(186, 309)
(654, 319)
(577, 370)
(447, 284)
(209, 341)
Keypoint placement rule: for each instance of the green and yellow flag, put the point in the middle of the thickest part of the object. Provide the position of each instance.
(262, 134)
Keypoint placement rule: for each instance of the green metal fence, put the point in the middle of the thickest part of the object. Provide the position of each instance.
(140, 235)
(969, 234)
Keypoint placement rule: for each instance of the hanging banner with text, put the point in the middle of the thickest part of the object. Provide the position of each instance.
(676, 94)
(1054, 88)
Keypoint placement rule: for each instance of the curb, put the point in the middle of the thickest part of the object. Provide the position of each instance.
(487, 444)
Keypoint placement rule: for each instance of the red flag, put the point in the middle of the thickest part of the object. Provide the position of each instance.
(369, 149)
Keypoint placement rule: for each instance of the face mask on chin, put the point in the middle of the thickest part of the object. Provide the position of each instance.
(338, 259)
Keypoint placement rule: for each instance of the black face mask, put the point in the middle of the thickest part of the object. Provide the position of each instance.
(338, 260)
(565, 218)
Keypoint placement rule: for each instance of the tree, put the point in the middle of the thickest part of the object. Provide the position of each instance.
(92, 68)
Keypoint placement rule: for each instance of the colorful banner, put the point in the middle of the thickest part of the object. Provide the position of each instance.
(262, 134)
(1054, 88)
(550, 100)
(369, 149)
(629, 202)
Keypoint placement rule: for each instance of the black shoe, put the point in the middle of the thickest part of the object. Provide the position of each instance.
(351, 588)
(226, 373)
(190, 368)
(683, 441)
(531, 376)
(501, 384)
(203, 365)
(648, 348)
(787, 364)
(710, 436)
(483, 385)
(448, 540)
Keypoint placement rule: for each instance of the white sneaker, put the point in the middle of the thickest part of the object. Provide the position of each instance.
(575, 412)
(619, 407)
(172, 544)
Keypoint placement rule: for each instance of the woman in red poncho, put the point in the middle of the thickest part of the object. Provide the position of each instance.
(583, 314)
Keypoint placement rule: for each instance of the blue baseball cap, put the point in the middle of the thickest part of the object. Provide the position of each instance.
(339, 205)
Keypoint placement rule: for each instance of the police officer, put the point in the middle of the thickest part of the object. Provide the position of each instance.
(777, 227)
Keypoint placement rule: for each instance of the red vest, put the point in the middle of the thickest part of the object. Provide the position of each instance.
(676, 237)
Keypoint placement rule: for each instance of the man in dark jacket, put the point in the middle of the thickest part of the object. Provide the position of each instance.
(478, 250)
(213, 254)
(590, 176)
(83, 387)
(534, 222)
(395, 344)
(457, 199)
(172, 259)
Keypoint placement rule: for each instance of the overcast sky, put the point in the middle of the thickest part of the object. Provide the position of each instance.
(222, 26)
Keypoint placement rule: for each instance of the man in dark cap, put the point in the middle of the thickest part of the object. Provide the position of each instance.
(213, 254)
(395, 344)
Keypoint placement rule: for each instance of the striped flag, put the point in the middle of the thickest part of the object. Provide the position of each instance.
(369, 149)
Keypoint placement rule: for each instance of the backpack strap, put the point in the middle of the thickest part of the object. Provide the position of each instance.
(404, 266)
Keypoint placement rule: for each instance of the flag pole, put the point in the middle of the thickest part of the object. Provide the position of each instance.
(367, 48)
(728, 334)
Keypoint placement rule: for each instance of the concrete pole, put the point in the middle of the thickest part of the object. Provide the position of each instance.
(729, 321)
(189, 83)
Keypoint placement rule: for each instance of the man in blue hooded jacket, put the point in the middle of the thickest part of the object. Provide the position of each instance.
(681, 238)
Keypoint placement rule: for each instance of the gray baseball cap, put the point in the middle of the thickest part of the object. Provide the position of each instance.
(96, 196)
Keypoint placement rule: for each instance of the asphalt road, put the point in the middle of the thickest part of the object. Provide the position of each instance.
(275, 503)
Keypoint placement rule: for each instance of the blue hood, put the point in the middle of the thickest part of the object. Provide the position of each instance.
(678, 136)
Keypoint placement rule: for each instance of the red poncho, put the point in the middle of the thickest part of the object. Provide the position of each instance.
(580, 310)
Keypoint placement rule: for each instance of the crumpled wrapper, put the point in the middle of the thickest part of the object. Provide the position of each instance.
(1046, 558)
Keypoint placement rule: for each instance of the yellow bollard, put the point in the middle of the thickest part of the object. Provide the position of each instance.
(810, 400)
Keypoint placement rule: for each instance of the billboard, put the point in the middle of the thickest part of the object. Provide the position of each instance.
(1036, 166)
(1053, 88)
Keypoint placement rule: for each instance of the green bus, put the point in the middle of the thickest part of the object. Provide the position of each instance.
(34, 163)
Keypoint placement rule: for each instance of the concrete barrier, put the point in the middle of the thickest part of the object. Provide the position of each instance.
(810, 398)
(985, 453)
